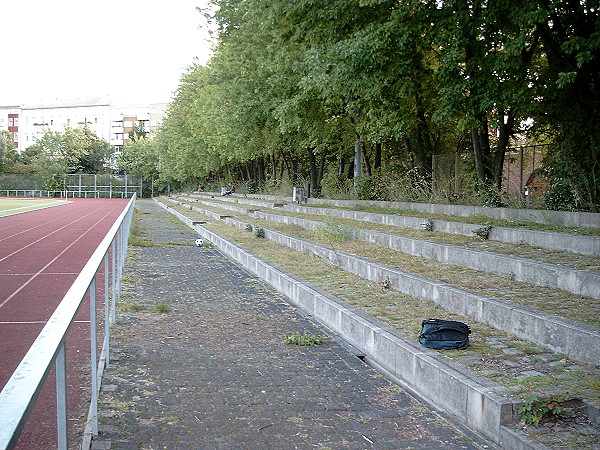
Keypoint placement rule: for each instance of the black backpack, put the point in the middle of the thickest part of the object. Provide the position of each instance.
(444, 334)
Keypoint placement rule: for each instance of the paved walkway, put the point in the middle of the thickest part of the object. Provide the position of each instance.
(215, 372)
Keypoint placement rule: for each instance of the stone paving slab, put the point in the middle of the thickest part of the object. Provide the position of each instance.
(215, 372)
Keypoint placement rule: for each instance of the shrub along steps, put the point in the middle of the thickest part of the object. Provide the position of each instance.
(579, 282)
(574, 243)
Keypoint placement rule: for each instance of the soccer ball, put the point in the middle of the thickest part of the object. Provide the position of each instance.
(199, 242)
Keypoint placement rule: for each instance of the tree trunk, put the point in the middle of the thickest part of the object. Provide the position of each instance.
(481, 149)
(366, 158)
(314, 172)
(377, 161)
(408, 153)
(506, 130)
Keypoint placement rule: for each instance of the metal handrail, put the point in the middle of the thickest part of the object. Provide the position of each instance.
(20, 392)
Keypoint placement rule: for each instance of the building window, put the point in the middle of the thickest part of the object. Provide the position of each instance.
(15, 137)
(10, 121)
(16, 121)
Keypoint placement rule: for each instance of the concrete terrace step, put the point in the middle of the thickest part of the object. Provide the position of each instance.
(578, 341)
(559, 218)
(585, 245)
(579, 282)
(543, 216)
(476, 402)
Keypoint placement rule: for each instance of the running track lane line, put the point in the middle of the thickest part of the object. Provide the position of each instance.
(34, 227)
(41, 225)
(38, 206)
(11, 296)
(50, 234)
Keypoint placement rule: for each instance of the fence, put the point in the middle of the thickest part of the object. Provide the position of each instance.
(73, 186)
(519, 171)
(20, 392)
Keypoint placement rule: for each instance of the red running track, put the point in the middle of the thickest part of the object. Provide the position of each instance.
(41, 254)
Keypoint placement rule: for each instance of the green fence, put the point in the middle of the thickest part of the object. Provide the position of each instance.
(73, 186)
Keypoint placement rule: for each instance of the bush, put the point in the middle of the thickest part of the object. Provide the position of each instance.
(251, 187)
(560, 197)
(258, 232)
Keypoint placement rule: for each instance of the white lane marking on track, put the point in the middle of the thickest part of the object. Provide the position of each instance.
(11, 296)
(39, 205)
(21, 231)
(29, 274)
(50, 234)
(34, 322)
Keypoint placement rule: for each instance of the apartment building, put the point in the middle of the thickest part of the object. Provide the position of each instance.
(9, 121)
(36, 119)
(29, 122)
(128, 118)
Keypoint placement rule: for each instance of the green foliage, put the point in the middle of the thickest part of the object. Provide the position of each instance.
(258, 232)
(55, 182)
(560, 197)
(139, 158)
(292, 86)
(162, 307)
(334, 232)
(76, 150)
(8, 153)
(534, 409)
(483, 232)
(251, 187)
(303, 339)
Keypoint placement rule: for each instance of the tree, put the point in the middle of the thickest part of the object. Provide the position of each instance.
(8, 153)
(139, 158)
(76, 150)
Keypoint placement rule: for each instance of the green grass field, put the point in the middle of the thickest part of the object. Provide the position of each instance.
(10, 206)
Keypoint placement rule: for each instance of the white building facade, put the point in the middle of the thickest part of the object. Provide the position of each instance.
(9, 121)
(108, 122)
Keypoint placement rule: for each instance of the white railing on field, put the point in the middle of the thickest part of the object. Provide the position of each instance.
(20, 392)
(68, 194)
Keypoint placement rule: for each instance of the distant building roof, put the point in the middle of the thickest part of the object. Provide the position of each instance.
(70, 103)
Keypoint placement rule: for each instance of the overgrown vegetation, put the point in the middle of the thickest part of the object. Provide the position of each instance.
(534, 409)
(303, 339)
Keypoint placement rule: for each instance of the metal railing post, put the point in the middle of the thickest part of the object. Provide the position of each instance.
(94, 359)
(61, 398)
(106, 313)
(113, 310)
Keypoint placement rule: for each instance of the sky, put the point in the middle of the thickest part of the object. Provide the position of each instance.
(130, 52)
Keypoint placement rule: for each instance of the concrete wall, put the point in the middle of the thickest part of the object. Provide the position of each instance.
(579, 282)
(578, 341)
(558, 218)
(587, 245)
(575, 243)
(475, 401)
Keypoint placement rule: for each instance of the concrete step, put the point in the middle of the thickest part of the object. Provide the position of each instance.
(575, 243)
(474, 401)
(579, 282)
